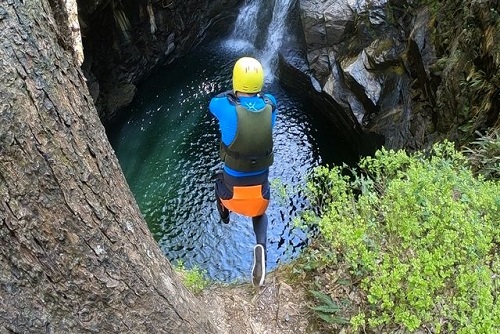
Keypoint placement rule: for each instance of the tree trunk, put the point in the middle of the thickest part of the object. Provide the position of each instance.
(75, 254)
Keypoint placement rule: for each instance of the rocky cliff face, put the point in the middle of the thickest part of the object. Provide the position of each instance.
(124, 40)
(366, 55)
(382, 63)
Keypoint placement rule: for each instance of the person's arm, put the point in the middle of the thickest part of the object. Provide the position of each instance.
(275, 108)
(225, 113)
(215, 105)
(219, 102)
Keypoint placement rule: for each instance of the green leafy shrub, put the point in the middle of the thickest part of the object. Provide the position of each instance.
(421, 232)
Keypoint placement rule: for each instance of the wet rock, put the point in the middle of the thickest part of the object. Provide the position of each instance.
(120, 97)
(294, 75)
(364, 83)
(384, 53)
(358, 52)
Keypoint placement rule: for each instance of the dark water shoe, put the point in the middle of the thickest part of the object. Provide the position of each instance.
(259, 265)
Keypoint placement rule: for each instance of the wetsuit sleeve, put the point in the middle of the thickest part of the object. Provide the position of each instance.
(218, 104)
(275, 108)
(225, 113)
(214, 106)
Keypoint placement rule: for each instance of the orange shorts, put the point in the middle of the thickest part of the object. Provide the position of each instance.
(247, 200)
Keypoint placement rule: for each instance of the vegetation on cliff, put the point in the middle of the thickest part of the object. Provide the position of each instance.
(467, 70)
(418, 236)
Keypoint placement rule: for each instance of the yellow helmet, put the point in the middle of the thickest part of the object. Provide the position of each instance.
(248, 75)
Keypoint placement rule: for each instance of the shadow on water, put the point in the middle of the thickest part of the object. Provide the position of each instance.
(167, 146)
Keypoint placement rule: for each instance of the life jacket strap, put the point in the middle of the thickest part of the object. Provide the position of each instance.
(234, 100)
(238, 155)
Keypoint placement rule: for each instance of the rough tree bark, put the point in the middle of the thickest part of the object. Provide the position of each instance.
(75, 254)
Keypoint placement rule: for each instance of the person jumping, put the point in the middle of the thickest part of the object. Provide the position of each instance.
(246, 118)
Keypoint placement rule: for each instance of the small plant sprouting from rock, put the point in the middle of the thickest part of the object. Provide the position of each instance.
(194, 279)
(327, 310)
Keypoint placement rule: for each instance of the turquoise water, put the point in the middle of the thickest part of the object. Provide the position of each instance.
(167, 146)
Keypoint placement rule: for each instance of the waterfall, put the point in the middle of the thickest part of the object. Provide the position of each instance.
(252, 25)
(276, 31)
(245, 27)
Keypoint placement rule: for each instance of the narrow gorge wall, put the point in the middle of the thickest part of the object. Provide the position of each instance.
(412, 71)
(124, 40)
